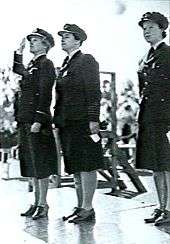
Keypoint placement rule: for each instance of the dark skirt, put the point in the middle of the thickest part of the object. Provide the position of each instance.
(153, 148)
(37, 152)
(81, 153)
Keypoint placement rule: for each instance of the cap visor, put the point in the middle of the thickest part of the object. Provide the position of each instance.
(33, 35)
(60, 33)
(143, 20)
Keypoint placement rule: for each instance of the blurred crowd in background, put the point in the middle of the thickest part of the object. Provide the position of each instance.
(126, 111)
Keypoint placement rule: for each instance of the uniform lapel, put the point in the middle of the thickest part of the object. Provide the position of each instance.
(73, 61)
(69, 64)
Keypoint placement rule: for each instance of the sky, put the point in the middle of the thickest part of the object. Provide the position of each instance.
(114, 37)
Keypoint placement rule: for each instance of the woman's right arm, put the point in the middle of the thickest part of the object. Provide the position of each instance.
(18, 66)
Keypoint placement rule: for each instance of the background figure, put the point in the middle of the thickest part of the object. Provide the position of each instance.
(105, 105)
(8, 135)
(127, 109)
(37, 150)
(153, 148)
(77, 115)
(7, 141)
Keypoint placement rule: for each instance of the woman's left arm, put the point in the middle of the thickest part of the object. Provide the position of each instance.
(92, 91)
(46, 82)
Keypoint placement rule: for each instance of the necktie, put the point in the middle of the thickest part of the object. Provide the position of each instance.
(65, 62)
(64, 66)
(151, 53)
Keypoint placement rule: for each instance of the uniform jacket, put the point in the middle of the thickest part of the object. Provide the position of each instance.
(153, 148)
(154, 85)
(34, 100)
(78, 90)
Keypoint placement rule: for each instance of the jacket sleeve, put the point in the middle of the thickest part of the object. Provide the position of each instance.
(91, 79)
(46, 82)
(18, 66)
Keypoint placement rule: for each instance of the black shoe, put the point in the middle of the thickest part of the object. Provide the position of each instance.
(155, 215)
(83, 215)
(163, 219)
(75, 212)
(41, 212)
(29, 212)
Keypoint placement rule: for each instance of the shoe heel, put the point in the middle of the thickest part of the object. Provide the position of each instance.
(64, 218)
(67, 217)
(41, 212)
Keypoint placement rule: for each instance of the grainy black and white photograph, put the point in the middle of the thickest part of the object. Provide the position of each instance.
(85, 122)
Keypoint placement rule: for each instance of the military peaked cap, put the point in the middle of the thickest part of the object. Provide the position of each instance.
(74, 29)
(44, 34)
(156, 17)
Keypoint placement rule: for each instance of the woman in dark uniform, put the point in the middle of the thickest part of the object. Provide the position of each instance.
(153, 147)
(77, 116)
(37, 149)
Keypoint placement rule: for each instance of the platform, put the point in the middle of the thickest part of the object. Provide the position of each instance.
(118, 220)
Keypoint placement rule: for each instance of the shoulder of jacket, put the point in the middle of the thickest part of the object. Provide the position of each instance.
(46, 61)
(164, 47)
(89, 58)
(164, 52)
(168, 48)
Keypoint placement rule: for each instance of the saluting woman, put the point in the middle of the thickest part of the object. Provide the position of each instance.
(37, 149)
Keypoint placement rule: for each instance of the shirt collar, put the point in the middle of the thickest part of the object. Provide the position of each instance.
(157, 44)
(37, 56)
(72, 53)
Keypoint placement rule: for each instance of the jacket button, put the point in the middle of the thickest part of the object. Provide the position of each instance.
(146, 83)
(162, 99)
